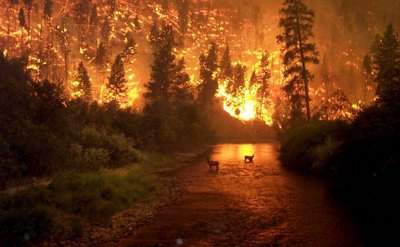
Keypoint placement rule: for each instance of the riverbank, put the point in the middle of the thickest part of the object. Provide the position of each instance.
(91, 208)
(247, 204)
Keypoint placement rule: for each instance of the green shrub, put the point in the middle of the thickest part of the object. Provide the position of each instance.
(120, 149)
(300, 147)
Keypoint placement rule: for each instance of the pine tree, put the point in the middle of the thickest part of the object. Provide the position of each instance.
(130, 48)
(256, 20)
(93, 19)
(21, 19)
(180, 88)
(238, 82)
(264, 81)
(64, 39)
(48, 9)
(29, 5)
(386, 66)
(226, 64)
(297, 22)
(163, 70)
(81, 15)
(102, 60)
(208, 71)
(183, 15)
(116, 82)
(84, 87)
(102, 57)
(105, 31)
(326, 74)
(367, 70)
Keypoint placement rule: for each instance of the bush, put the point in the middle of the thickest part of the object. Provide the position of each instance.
(120, 149)
(69, 201)
(304, 145)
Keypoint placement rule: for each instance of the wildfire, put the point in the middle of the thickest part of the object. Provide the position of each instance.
(205, 26)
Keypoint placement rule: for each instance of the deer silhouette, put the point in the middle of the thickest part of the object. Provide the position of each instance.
(248, 158)
(212, 163)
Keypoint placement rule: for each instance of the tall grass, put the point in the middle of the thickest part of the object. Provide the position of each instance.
(70, 201)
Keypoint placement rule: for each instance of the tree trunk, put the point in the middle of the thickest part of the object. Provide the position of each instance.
(303, 65)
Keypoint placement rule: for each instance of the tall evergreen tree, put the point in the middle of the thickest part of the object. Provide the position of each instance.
(264, 81)
(386, 65)
(116, 82)
(367, 70)
(163, 70)
(48, 9)
(84, 87)
(181, 93)
(297, 22)
(81, 15)
(238, 82)
(29, 6)
(105, 31)
(22, 19)
(226, 64)
(64, 38)
(183, 15)
(130, 48)
(208, 76)
(102, 58)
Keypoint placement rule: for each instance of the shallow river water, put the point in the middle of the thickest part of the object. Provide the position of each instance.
(248, 204)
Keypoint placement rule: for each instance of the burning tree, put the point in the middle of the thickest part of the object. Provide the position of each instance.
(116, 85)
(263, 80)
(64, 39)
(337, 107)
(209, 80)
(386, 66)
(297, 22)
(84, 84)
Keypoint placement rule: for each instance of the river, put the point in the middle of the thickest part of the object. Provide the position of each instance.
(248, 204)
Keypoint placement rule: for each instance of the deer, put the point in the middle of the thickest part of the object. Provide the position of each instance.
(212, 163)
(248, 158)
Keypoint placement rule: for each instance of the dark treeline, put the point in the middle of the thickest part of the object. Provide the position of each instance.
(360, 157)
(44, 131)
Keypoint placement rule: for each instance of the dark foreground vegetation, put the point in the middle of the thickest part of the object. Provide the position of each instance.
(361, 158)
(58, 157)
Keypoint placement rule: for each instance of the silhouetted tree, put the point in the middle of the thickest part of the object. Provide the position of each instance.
(238, 83)
(81, 15)
(208, 76)
(64, 38)
(180, 87)
(84, 87)
(386, 65)
(226, 65)
(21, 19)
(116, 82)
(264, 81)
(367, 70)
(326, 74)
(297, 22)
(102, 58)
(163, 70)
(183, 15)
(48, 9)
(130, 48)
(105, 31)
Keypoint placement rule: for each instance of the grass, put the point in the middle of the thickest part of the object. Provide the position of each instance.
(73, 199)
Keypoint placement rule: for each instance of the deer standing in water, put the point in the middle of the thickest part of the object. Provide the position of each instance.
(248, 158)
(212, 163)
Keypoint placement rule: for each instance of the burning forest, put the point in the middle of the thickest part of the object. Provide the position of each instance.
(57, 38)
(106, 104)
